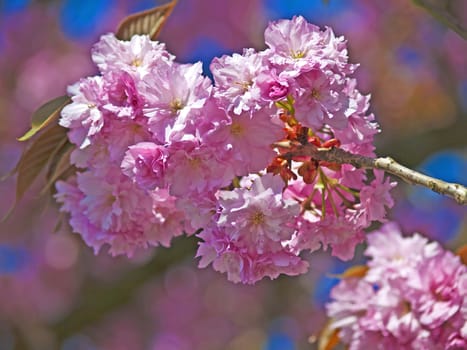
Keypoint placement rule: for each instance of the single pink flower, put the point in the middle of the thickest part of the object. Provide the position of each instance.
(145, 164)
(137, 56)
(84, 116)
(272, 87)
(234, 77)
(175, 94)
(246, 139)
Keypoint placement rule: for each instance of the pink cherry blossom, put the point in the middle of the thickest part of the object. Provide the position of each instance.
(295, 44)
(195, 168)
(361, 127)
(124, 98)
(137, 56)
(106, 208)
(246, 139)
(412, 296)
(84, 115)
(145, 163)
(234, 77)
(250, 237)
(272, 86)
(375, 197)
(175, 94)
(320, 100)
(161, 148)
(231, 257)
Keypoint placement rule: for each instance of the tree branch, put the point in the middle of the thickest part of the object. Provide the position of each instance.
(389, 165)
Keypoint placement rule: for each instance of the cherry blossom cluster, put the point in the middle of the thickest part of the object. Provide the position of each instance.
(414, 296)
(162, 151)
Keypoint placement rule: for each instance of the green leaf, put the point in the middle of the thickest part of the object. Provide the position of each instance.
(37, 156)
(148, 22)
(439, 9)
(46, 114)
(59, 166)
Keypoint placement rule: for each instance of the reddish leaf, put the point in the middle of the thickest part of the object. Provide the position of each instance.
(46, 114)
(308, 171)
(148, 22)
(462, 252)
(329, 338)
(358, 271)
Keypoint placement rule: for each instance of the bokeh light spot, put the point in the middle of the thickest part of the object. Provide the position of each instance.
(279, 341)
(61, 252)
(317, 11)
(448, 166)
(409, 56)
(9, 6)
(462, 93)
(204, 49)
(12, 259)
(83, 19)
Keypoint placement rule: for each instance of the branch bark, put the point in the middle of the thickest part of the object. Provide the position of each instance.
(336, 155)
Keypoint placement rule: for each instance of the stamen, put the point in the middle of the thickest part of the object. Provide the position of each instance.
(176, 105)
(136, 62)
(257, 218)
(315, 94)
(236, 129)
(297, 54)
(245, 85)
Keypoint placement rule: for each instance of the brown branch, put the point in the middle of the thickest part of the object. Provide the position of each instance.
(389, 165)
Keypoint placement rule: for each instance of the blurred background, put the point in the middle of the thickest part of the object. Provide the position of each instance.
(55, 294)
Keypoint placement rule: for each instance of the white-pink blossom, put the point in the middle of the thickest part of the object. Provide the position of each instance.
(162, 150)
(84, 116)
(175, 95)
(136, 56)
(249, 238)
(246, 139)
(145, 164)
(412, 297)
(196, 168)
(234, 76)
(320, 100)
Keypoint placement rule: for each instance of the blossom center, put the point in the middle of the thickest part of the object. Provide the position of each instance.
(110, 200)
(298, 54)
(136, 62)
(315, 94)
(236, 129)
(195, 163)
(257, 218)
(245, 85)
(176, 105)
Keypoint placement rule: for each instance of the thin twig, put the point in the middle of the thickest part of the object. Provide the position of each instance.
(337, 155)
